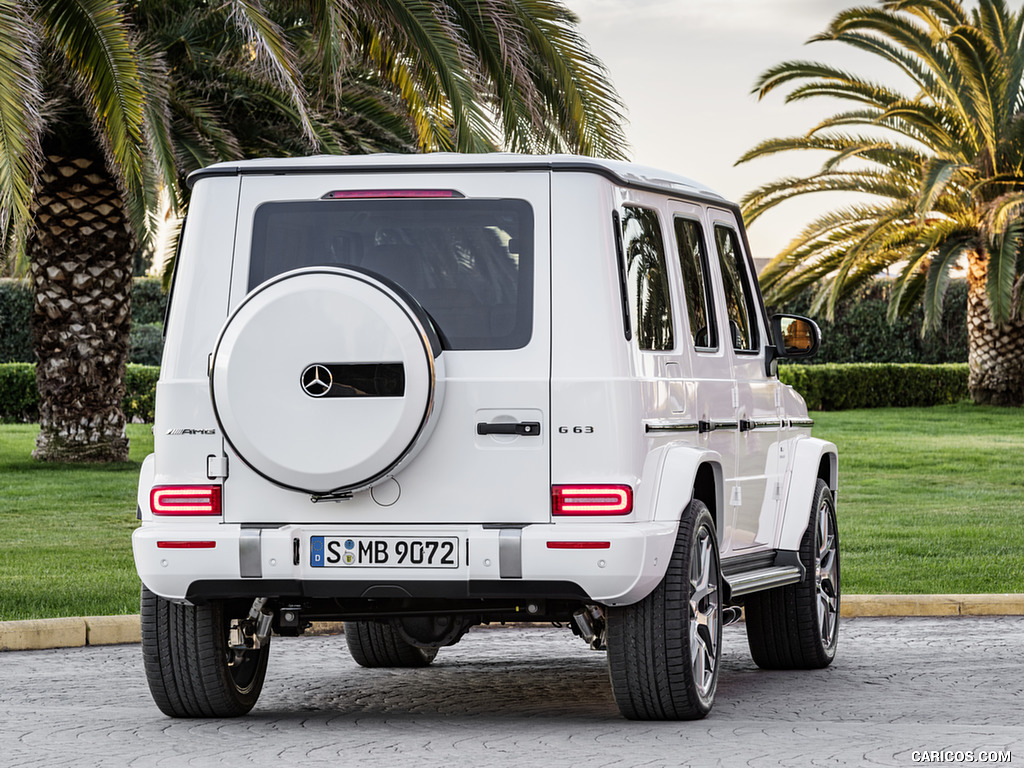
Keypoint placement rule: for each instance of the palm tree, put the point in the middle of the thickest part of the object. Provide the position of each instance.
(939, 169)
(381, 75)
(75, 176)
(102, 100)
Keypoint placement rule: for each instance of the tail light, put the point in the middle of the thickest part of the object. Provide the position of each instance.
(591, 500)
(185, 500)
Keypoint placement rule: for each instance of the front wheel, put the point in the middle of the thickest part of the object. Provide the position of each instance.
(663, 651)
(191, 666)
(797, 626)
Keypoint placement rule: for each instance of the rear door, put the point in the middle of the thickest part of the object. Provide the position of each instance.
(473, 250)
(754, 497)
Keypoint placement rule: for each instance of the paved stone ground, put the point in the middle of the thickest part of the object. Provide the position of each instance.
(535, 697)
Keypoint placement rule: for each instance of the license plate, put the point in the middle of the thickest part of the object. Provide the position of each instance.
(383, 552)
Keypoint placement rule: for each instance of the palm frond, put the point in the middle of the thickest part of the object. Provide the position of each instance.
(937, 175)
(93, 39)
(1002, 270)
(20, 102)
(946, 257)
(269, 48)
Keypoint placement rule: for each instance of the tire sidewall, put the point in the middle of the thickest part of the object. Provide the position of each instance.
(823, 502)
(700, 519)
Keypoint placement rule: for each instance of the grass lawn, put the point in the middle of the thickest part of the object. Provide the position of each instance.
(931, 501)
(65, 531)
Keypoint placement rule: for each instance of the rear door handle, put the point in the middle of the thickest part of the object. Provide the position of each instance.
(528, 428)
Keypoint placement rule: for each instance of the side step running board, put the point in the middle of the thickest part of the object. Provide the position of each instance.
(765, 578)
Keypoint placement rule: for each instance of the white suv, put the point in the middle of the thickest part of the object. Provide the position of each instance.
(420, 393)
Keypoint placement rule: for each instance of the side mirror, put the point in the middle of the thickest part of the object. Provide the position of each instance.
(795, 337)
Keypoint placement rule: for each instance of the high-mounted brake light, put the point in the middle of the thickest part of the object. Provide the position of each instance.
(185, 500)
(378, 194)
(591, 499)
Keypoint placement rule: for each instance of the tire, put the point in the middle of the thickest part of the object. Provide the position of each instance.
(377, 645)
(797, 626)
(191, 672)
(652, 672)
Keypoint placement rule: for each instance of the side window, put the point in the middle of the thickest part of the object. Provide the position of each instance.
(693, 260)
(739, 299)
(650, 307)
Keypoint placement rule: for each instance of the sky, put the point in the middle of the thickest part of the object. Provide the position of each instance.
(685, 69)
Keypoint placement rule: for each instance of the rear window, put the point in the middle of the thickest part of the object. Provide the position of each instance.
(468, 262)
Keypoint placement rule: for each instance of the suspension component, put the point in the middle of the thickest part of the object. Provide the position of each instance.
(589, 623)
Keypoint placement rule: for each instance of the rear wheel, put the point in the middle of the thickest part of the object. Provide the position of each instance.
(663, 651)
(797, 626)
(190, 665)
(378, 645)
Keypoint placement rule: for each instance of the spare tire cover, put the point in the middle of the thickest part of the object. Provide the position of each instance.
(327, 380)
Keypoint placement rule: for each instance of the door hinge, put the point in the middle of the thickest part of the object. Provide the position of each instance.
(736, 498)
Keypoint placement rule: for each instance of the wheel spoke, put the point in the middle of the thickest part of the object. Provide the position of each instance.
(826, 576)
(705, 619)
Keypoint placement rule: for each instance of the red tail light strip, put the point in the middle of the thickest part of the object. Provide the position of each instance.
(579, 545)
(186, 544)
(591, 500)
(185, 500)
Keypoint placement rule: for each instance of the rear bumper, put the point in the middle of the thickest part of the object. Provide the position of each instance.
(228, 560)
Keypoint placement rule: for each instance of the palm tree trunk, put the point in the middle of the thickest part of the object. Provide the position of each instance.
(80, 251)
(995, 353)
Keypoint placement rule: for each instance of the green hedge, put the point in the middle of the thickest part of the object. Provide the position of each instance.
(861, 333)
(19, 399)
(148, 305)
(15, 311)
(834, 387)
(828, 387)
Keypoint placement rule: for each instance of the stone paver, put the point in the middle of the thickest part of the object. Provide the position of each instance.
(535, 697)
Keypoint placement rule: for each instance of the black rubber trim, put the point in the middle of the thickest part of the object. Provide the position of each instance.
(223, 589)
(753, 562)
(683, 426)
(713, 426)
(620, 261)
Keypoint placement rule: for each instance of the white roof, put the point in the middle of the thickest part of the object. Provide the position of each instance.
(628, 173)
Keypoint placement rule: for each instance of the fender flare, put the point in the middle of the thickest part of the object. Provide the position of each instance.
(804, 470)
(147, 479)
(669, 475)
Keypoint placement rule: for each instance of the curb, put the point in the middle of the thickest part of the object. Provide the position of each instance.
(865, 606)
(40, 634)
